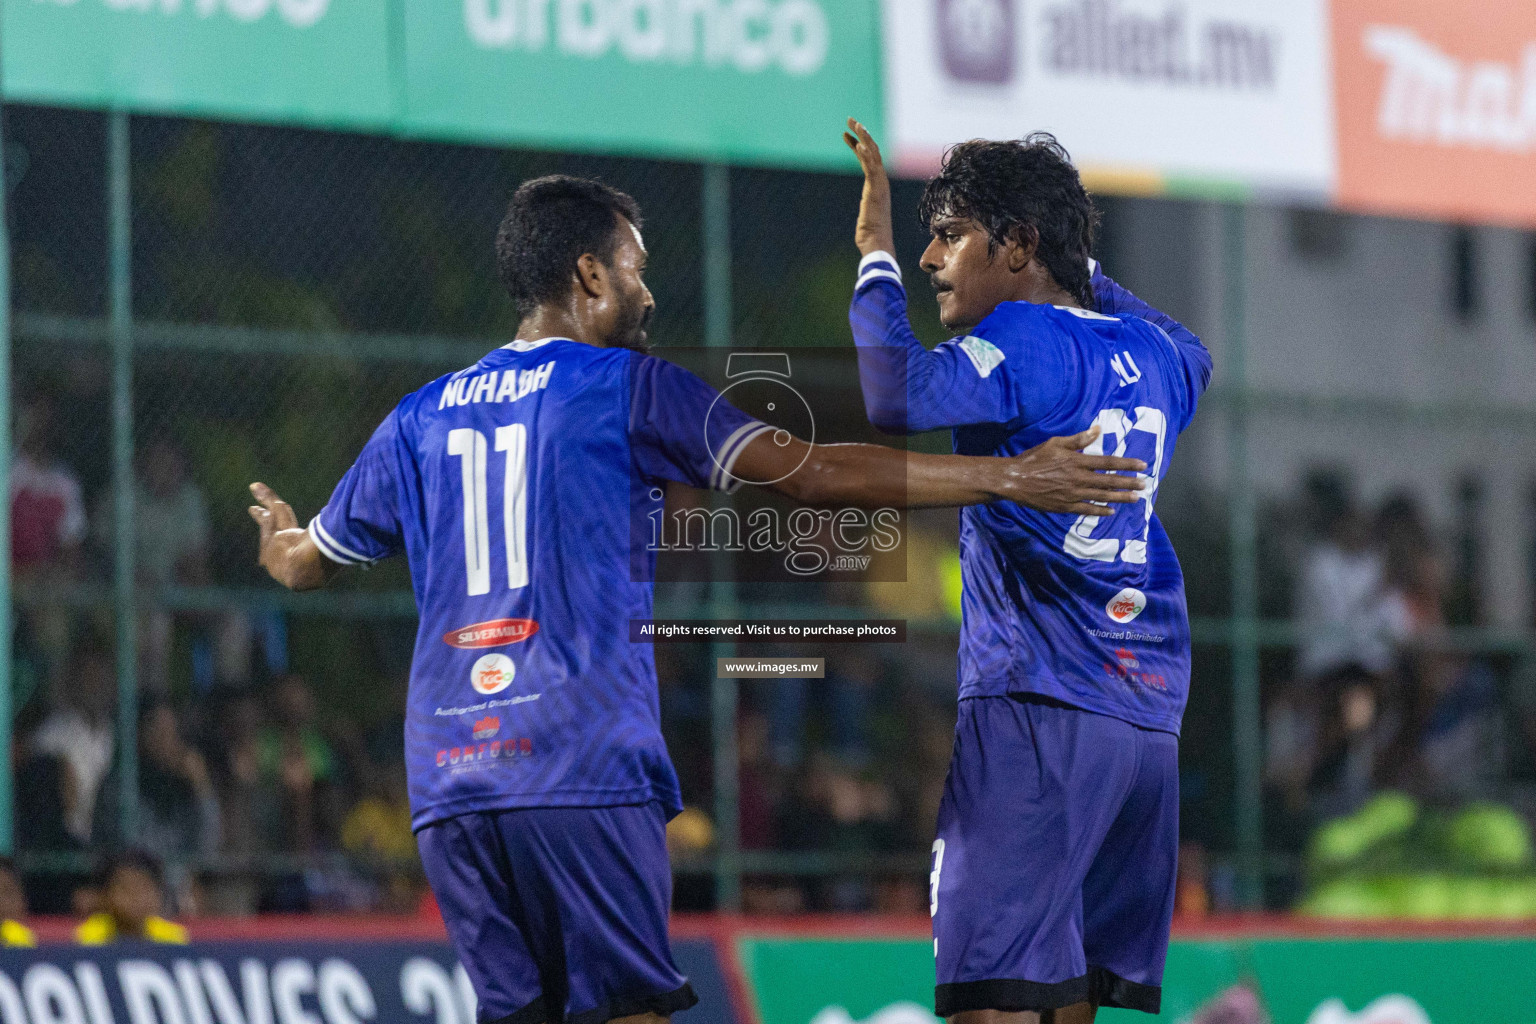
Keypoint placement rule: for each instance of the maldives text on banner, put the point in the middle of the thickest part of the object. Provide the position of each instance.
(1148, 95)
(322, 62)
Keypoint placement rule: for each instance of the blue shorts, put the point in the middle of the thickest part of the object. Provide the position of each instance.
(1057, 854)
(559, 913)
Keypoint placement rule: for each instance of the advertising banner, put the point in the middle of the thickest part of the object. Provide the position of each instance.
(750, 81)
(236, 983)
(1299, 981)
(1147, 95)
(276, 982)
(762, 81)
(320, 62)
(1437, 108)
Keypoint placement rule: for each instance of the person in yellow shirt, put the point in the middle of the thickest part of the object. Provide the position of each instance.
(133, 896)
(13, 907)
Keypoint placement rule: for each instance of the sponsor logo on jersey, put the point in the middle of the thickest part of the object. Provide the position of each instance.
(494, 633)
(1127, 658)
(487, 727)
(492, 674)
(983, 355)
(1126, 605)
(476, 753)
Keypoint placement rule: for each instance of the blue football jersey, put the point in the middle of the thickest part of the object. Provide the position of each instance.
(1088, 610)
(514, 488)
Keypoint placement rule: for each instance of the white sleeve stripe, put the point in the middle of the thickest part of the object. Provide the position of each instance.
(731, 451)
(325, 549)
(870, 275)
(329, 544)
(880, 256)
(719, 458)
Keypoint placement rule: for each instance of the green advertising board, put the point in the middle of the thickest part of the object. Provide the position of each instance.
(742, 81)
(322, 62)
(728, 80)
(1301, 981)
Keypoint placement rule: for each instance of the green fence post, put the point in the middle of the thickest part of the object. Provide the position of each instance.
(120, 322)
(722, 588)
(1247, 726)
(7, 712)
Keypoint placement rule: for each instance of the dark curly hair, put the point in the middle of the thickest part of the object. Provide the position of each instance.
(551, 223)
(1016, 188)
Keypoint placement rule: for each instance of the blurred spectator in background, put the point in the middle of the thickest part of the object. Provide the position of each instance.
(48, 525)
(1348, 613)
(1192, 893)
(297, 764)
(377, 834)
(1324, 730)
(248, 809)
(79, 733)
(132, 899)
(178, 810)
(378, 828)
(1414, 565)
(759, 784)
(841, 810)
(1453, 746)
(171, 530)
(1355, 727)
(846, 693)
(13, 908)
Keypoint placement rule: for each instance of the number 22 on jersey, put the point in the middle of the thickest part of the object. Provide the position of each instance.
(469, 445)
(1138, 437)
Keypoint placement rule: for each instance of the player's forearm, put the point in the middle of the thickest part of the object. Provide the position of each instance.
(872, 476)
(894, 366)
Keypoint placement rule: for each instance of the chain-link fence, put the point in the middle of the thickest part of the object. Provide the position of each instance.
(198, 305)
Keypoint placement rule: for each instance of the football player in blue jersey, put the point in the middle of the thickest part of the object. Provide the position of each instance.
(1053, 872)
(540, 786)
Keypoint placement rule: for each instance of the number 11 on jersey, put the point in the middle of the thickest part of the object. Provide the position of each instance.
(469, 445)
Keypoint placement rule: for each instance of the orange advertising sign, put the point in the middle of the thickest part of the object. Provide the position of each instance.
(1436, 106)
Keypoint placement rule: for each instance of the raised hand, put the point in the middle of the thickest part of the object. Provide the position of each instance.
(873, 233)
(286, 550)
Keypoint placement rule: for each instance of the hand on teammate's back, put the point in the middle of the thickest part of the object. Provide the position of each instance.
(873, 233)
(1057, 476)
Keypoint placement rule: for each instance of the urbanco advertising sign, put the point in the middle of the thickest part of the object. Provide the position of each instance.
(753, 80)
(1146, 94)
(313, 61)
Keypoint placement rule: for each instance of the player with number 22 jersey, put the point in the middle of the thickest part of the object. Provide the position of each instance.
(1056, 858)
